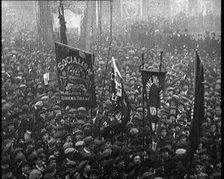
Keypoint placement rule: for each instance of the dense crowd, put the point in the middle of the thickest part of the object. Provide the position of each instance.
(39, 140)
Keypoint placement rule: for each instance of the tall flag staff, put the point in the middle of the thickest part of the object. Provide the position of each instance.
(157, 129)
(110, 48)
(153, 82)
(198, 113)
(63, 37)
(143, 101)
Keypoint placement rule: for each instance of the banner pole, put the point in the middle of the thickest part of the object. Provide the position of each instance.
(158, 125)
(161, 61)
(143, 99)
(105, 73)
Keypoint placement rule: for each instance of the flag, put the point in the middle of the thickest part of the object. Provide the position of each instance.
(120, 103)
(153, 82)
(62, 24)
(75, 76)
(198, 112)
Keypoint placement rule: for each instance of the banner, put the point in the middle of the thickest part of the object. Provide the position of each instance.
(75, 76)
(131, 8)
(153, 82)
(120, 104)
(198, 113)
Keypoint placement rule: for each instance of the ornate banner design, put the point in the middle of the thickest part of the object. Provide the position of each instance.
(152, 85)
(131, 8)
(75, 76)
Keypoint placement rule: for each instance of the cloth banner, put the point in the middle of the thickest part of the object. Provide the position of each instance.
(153, 82)
(120, 103)
(75, 76)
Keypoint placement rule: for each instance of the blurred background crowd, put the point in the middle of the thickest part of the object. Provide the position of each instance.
(39, 140)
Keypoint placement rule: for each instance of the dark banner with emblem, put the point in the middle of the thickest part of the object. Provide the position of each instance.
(153, 82)
(75, 76)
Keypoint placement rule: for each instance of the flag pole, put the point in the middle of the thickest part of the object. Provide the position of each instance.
(105, 73)
(61, 17)
(143, 99)
(157, 129)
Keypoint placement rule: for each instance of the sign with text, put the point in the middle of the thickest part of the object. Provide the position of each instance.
(75, 76)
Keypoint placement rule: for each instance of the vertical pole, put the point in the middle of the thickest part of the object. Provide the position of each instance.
(161, 61)
(121, 4)
(99, 21)
(91, 112)
(157, 134)
(143, 99)
(141, 14)
(105, 73)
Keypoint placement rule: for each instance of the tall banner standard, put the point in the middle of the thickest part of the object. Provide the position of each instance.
(75, 76)
(153, 82)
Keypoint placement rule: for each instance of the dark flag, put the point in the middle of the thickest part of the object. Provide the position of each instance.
(75, 76)
(63, 28)
(153, 82)
(120, 103)
(198, 113)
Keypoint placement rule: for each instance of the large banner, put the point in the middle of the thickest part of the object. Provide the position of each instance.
(153, 82)
(75, 76)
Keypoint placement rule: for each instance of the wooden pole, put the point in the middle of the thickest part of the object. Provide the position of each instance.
(157, 130)
(143, 99)
(99, 22)
(109, 51)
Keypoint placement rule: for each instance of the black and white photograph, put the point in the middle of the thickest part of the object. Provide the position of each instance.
(111, 89)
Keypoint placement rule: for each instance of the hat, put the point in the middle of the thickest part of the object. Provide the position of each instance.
(79, 143)
(88, 139)
(86, 124)
(22, 86)
(44, 97)
(147, 174)
(78, 131)
(69, 150)
(98, 142)
(18, 149)
(35, 174)
(39, 103)
(106, 153)
(82, 109)
(32, 156)
(80, 122)
(51, 157)
(67, 145)
(180, 151)
(134, 131)
(20, 156)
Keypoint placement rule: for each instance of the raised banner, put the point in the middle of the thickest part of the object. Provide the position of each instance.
(120, 104)
(75, 76)
(152, 84)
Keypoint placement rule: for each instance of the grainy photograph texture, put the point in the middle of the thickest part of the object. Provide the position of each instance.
(111, 89)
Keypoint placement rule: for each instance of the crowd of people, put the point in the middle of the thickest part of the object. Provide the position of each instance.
(40, 140)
